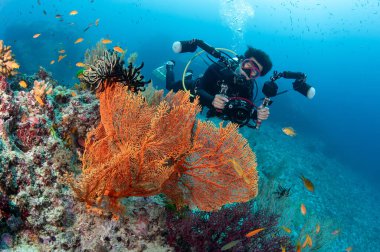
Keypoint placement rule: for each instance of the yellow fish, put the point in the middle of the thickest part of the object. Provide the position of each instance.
(283, 249)
(106, 41)
(230, 245)
(61, 51)
(36, 35)
(252, 233)
(303, 209)
(317, 228)
(307, 183)
(239, 171)
(23, 84)
(289, 131)
(78, 40)
(308, 242)
(52, 62)
(73, 12)
(61, 57)
(97, 22)
(80, 64)
(118, 49)
(286, 229)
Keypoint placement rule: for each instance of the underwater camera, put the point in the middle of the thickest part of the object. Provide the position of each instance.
(238, 110)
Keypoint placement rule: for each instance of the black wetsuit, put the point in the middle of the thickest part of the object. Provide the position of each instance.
(220, 80)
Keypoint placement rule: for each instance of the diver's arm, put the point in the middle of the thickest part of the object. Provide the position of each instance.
(205, 82)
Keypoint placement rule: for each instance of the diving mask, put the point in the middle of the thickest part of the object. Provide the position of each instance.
(250, 68)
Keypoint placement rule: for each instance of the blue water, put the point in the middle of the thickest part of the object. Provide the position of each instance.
(336, 43)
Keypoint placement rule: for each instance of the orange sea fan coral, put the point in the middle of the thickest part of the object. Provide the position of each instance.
(219, 169)
(130, 152)
(149, 145)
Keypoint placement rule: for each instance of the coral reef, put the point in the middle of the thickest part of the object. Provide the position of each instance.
(136, 151)
(40, 90)
(202, 231)
(33, 160)
(8, 65)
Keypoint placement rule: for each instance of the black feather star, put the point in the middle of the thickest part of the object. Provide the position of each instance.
(109, 69)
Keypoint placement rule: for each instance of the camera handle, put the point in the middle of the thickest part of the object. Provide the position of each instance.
(265, 104)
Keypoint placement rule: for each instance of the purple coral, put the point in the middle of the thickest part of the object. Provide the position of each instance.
(202, 231)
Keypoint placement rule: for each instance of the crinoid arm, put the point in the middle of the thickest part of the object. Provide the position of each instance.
(108, 69)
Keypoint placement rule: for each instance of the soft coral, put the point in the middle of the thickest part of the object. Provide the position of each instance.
(202, 231)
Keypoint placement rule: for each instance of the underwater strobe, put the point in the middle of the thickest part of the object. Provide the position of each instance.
(270, 87)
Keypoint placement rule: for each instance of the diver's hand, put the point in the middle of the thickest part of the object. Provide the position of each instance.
(262, 113)
(219, 101)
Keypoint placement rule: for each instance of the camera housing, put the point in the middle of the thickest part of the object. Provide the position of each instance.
(238, 110)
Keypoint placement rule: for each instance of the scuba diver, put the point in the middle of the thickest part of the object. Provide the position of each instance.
(228, 87)
(219, 83)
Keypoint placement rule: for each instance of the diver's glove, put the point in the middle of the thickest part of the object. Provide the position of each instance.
(262, 113)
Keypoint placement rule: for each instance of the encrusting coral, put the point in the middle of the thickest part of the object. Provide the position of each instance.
(40, 90)
(7, 63)
(144, 146)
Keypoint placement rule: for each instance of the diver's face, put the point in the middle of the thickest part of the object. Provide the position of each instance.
(250, 68)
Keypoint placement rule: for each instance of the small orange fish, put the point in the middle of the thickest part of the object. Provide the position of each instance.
(97, 22)
(78, 40)
(303, 209)
(317, 228)
(349, 249)
(308, 242)
(52, 62)
(62, 51)
(230, 245)
(106, 41)
(61, 57)
(252, 233)
(73, 94)
(298, 247)
(118, 49)
(307, 183)
(289, 131)
(36, 35)
(336, 232)
(23, 84)
(73, 12)
(240, 171)
(286, 229)
(80, 64)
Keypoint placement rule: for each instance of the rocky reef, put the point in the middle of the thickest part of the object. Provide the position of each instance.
(42, 129)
